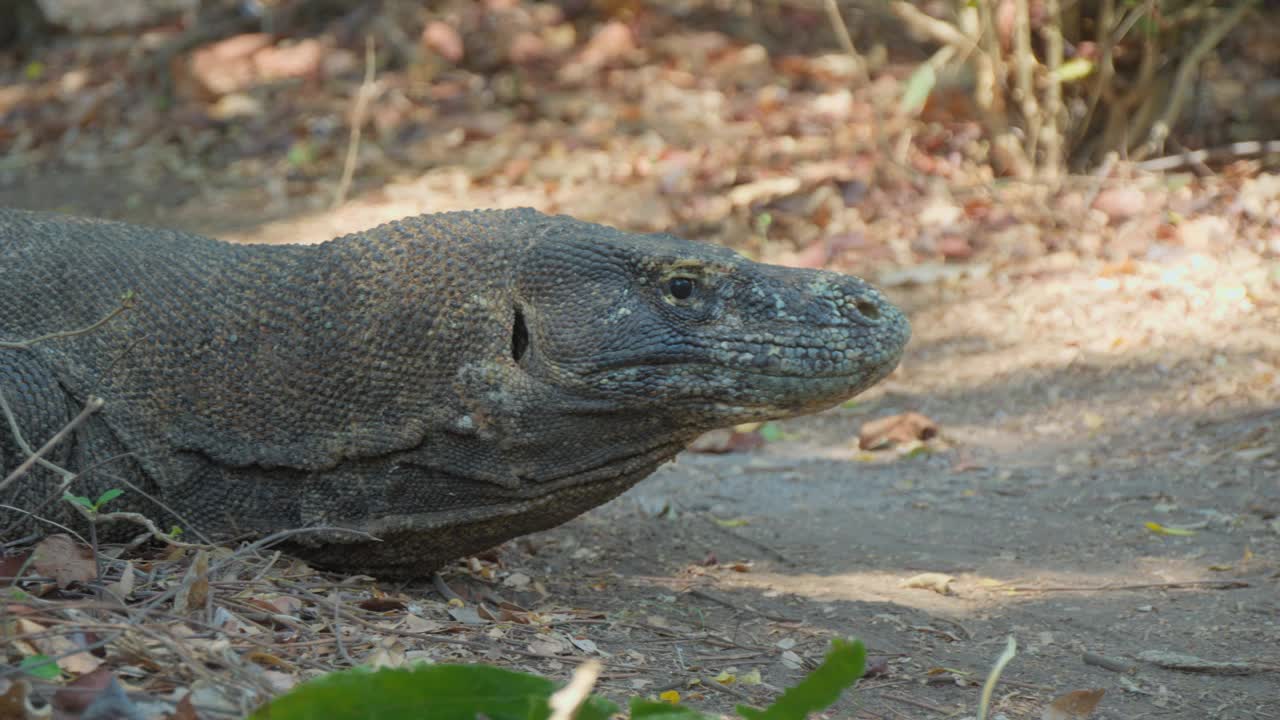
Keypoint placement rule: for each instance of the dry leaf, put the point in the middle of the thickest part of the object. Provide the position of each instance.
(726, 440)
(123, 587)
(14, 701)
(193, 593)
(185, 710)
(417, 624)
(382, 604)
(467, 615)
(65, 647)
(389, 653)
(586, 645)
(517, 580)
(896, 430)
(791, 659)
(10, 567)
(266, 659)
(64, 560)
(1075, 705)
(547, 646)
(1159, 529)
(96, 694)
(937, 582)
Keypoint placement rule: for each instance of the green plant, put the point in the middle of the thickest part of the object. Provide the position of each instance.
(465, 692)
(93, 506)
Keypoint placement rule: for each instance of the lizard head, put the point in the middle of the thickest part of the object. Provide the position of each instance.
(694, 332)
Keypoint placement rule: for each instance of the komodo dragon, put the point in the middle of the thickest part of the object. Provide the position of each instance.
(442, 383)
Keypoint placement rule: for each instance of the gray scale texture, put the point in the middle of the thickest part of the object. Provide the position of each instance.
(443, 383)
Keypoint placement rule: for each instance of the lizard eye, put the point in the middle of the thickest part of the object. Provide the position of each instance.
(681, 288)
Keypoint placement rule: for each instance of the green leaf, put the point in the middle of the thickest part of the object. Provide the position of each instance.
(41, 666)
(301, 153)
(78, 500)
(107, 497)
(771, 432)
(650, 710)
(763, 222)
(919, 85)
(439, 692)
(841, 669)
(1074, 69)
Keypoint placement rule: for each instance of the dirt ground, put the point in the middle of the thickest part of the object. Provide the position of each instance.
(1077, 402)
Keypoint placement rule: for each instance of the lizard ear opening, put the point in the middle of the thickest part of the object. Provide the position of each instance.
(519, 337)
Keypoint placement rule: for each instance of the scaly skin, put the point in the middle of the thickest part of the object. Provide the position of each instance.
(443, 383)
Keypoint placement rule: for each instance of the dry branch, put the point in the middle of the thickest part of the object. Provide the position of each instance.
(1186, 74)
(357, 122)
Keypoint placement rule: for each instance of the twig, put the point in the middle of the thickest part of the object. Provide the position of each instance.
(940, 30)
(37, 518)
(442, 587)
(93, 405)
(1185, 585)
(721, 601)
(771, 552)
(1024, 62)
(733, 692)
(1190, 158)
(917, 703)
(357, 122)
(126, 303)
(337, 628)
(1052, 33)
(265, 542)
(1099, 177)
(842, 33)
(1106, 663)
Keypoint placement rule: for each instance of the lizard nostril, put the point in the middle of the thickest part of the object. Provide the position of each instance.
(868, 310)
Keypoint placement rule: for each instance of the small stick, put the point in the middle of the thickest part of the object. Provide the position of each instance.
(357, 120)
(1106, 663)
(93, 405)
(1252, 148)
(721, 601)
(1185, 585)
(442, 587)
(125, 304)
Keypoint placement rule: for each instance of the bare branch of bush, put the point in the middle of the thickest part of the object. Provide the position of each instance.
(1043, 101)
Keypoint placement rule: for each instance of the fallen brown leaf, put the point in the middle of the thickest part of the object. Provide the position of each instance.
(10, 566)
(185, 710)
(896, 430)
(383, 604)
(1075, 705)
(14, 703)
(194, 591)
(64, 560)
(937, 582)
(726, 440)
